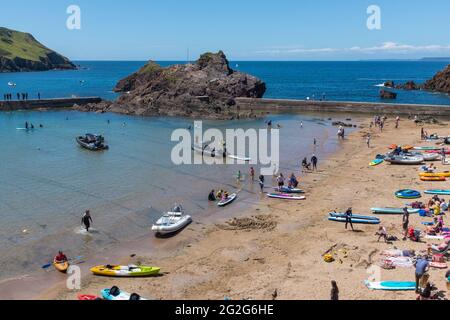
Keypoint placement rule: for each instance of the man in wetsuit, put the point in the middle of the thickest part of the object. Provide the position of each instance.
(348, 218)
(87, 220)
(212, 196)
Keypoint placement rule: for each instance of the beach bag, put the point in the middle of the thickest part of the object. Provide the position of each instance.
(328, 258)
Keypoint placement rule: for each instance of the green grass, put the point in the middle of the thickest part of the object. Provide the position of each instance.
(23, 45)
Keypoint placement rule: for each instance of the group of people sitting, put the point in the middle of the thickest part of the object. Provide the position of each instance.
(221, 195)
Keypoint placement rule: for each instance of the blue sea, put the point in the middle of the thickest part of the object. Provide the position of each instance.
(340, 81)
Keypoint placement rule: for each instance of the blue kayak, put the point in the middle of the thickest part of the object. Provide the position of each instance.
(439, 192)
(393, 211)
(354, 220)
(355, 216)
(408, 194)
(391, 285)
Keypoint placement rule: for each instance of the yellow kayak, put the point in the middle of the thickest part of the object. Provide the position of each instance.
(436, 174)
(125, 271)
(61, 266)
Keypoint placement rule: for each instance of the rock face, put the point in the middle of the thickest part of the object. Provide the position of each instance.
(384, 94)
(410, 85)
(22, 52)
(206, 89)
(440, 82)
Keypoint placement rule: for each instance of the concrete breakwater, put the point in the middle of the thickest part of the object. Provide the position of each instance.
(46, 103)
(281, 105)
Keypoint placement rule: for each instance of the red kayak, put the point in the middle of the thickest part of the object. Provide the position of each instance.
(438, 151)
(88, 297)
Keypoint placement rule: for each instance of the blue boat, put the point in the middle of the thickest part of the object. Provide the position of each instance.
(408, 194)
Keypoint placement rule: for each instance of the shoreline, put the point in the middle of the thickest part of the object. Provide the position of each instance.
(258, 261)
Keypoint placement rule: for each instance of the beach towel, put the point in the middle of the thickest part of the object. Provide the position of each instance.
(400, 262)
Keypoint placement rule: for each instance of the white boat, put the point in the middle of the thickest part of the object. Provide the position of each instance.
(171, 222)
(12, 84)
(405, 160)
(228, 200)
(425, 156)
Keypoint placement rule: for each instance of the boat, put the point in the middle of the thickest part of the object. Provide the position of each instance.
(92, 142)
(445, 174)
(12, 84)
(391, 285)
(61, 266)
(404, 160)
(125, 271)
(285, 196)
(227, 201)
(354, 216)
(354, 220)
(376, 162)
(408, 194)
(171, 222)
(425, 156)
(393, 211)
(116, 294)
(239, 158)
(438, 192)
(433, 178)
(289, 190)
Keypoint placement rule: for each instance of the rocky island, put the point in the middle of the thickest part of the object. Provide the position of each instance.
(206, 88)
(21, 52)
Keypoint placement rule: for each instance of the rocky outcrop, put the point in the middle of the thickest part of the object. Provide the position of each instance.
(440, 82)
(384, 94)
(22, 52)
(205, 89)
(410, 85)
(389, 84)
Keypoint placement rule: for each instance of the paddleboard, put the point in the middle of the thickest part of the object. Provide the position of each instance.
(356, 221)
(355, 216)
(376, 162)
(391, 285)
(284, 196)
(227, 201)
(438, 192)
(239, 158)
(289, 190)
(393, 211)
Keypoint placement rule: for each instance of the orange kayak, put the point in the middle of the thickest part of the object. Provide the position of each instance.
(61, 266)
(433, 179)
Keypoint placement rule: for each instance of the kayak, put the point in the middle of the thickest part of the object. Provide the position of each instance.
(354, 220)
(445, 174)
(408, 194)
(125, 271)
(393, 211)
(285, 196)
(439, 151)
(61, 266)
(356, 216)
(433, 178)
(376, 162)
(391, 285)
(289, 190)
(405, 160)
(87, 297)
(228, 200)
(426, 148)
(118, 295)
(439, 192)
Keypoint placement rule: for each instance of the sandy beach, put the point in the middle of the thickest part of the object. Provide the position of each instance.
(278, 246)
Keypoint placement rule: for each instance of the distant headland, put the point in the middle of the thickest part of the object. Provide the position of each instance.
(21, 52)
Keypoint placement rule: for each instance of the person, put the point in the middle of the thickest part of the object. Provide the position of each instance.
(293, 182)
(212, 196)
(382, 233)
(348, 218)
(397, 120)
(238, 175)
(31, 126)
(305, 164)
(87, 220)
(60, 257)
(422, 266)
(314, 161)
(315, 142)
(39, 96)
(261, 183)
(219, 194)
(334, 291)
(26, 124)
(301, 124)
(426, 293)
(280, 180)
(252, 173)
(368, 140)
(422, 134)
(443, 155)
(226, 195)
(405, 221)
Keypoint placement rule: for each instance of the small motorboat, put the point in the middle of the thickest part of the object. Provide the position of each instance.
(12, 84)
(172, 222)
(92, 142)
(405, 160)
(425, 156)
(227, 201)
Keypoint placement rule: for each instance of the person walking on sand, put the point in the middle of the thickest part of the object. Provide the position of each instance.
(261, 183)
(443, 155)
(334, 291)
(280, 181)
(397, 121)
(405, 221)
(252, 173)
(422, 266)
(348, 218)
(314, 162)
(368, 140)
(87, 220)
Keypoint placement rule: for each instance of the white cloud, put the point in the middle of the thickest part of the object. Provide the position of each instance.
(387, 47)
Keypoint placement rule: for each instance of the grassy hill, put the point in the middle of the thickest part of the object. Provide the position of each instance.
(20, 51)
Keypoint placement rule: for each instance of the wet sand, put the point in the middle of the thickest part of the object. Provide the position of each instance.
(281, 249)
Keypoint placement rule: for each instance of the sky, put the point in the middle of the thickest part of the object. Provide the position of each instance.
(244, 30)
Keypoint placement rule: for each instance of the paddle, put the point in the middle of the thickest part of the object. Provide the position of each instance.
(48, 265)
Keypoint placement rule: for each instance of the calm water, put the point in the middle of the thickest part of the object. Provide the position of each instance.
(343, 81)
(47, 181)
